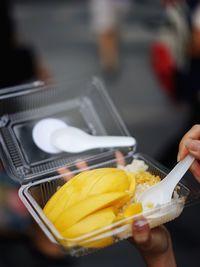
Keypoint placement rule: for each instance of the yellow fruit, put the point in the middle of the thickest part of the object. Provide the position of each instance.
(112, 180)
(56, 197)
(67, 195)
(93, 203)
(90, 223)
(55, 206)
(132, 209)
(98, 242)
(86, 184)
(132, 182)
(90, 201)
(99, 181)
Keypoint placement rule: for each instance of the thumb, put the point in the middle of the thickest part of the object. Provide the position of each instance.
(150, 241)
(193, 147)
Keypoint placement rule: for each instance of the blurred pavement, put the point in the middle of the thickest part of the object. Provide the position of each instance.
(62, 34)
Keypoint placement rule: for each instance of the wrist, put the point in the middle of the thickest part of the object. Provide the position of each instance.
(162, 259)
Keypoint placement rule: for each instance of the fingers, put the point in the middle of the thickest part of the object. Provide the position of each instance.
(193, 146)
(120, 158)
(190, 144)
(81, 165)
(141, 235)
(186, 142)
(67, 174)
(195, 169)
(154, 241)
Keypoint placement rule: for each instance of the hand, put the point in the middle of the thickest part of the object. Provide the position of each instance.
(190, 144)
(82, 165)
(154, 244)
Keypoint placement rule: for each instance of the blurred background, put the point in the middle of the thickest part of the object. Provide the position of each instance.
(79, 39)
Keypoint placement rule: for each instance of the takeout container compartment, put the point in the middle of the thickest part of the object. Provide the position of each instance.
(36, 195)
(86, 106)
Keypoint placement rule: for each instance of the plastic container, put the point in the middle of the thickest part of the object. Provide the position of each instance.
(40, 174)
(35, 196)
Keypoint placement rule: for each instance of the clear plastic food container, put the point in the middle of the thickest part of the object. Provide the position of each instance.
(88, 107)
(36, 195)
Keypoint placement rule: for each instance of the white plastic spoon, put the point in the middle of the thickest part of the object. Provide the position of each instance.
(42, 132)
(74, 140)
(161, 193)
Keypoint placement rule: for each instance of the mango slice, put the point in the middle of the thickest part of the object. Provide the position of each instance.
(85, 184)
(99, 243)
(132, 209)
(92, 200)
(98, 182)
(57, 196)
(91, 223)
(68, 194)
(93, 203)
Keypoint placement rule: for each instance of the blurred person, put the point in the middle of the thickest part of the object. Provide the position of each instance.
(186, 80)
(107, 17)
(175, 50)
(176, 60)
(19, 63)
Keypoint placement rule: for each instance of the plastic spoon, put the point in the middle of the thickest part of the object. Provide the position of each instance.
(42, 132)
(74, 140)
(161, 193)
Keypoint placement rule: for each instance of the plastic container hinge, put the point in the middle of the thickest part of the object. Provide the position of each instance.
(4, 120)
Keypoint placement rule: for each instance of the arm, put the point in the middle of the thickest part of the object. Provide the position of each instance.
(194, 46)
(154, 245)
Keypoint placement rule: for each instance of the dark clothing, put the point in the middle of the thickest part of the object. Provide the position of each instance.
(6, 26)
(16, 61)
(187, 82)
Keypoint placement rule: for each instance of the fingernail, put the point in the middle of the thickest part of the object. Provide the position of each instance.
(193, 145)
(140, 231)
(178, 157)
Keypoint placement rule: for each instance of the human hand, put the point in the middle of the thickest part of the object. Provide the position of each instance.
(82, 165)
(153, 244)
(190, 144)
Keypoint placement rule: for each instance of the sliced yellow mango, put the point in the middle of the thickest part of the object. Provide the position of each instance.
(132, 182)
(93, 203)
(112, 180)
(99, 181)
(56, 205)
(92, 200)
(67, 195)
(90, 223)
(56, 196)
(103, 242)
(84, 183)
(88, 183)
(132, 209)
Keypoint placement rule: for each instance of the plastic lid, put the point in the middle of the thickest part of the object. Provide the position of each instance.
(86, 106)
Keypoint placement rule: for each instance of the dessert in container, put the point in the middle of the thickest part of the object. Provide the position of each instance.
(86, 106)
